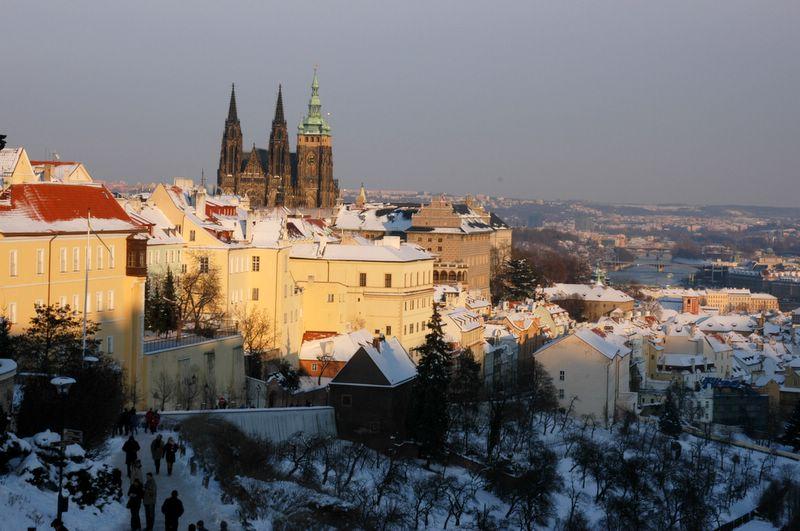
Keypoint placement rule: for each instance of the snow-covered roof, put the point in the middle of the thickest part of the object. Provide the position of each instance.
(727, 323)
(393, 361)
(589, 292)
(377, 252)
(341, 347)
(465, 320)
(596, 340)
(374, 217)
(56, 207)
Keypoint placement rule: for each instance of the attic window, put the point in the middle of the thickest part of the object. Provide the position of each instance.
(347, 400)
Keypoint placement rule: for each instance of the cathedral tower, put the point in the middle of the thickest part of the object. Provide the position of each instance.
(279, 165)
(316, 187)
(230, 157)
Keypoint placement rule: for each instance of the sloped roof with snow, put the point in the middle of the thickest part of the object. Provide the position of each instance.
(364, 253)
(56, 207)
(378, 218)
(393, 361)
(588, 292)
(340, 347)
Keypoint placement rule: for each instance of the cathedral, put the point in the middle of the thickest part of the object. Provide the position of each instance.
(275, 176)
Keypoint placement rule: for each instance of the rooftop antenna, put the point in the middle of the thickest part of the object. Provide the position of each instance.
(202, 178)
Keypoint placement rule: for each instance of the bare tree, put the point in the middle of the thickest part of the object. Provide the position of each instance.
(253, 324)
(199, 295)
(324, 360)
(164, 389)
(188, 390)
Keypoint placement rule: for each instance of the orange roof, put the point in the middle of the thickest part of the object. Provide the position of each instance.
(313, 335)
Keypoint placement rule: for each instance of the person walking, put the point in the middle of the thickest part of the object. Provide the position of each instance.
(201, 526)
(172, 509)
(156, 421)
(170, 451)
(124, 421)
(149, 501)
(133, 420)
(131, 449)
(148, 420)
(135, 496)
(136, 472)
(157, 451)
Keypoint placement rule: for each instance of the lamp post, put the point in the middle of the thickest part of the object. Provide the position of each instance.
(62, 385)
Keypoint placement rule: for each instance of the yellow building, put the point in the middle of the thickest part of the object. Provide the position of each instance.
(44, 254)
(384, 286)
(249, 250)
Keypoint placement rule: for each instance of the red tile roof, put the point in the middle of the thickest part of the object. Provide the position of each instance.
(312, 335)
(39, 207)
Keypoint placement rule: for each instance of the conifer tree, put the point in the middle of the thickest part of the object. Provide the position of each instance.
(429, 418)
(791, 434)
(518, 279)
(168, 318)
(670, 422)
(464, 393)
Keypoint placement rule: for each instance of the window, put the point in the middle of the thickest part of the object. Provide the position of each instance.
(561, 375)
(254, 294)
(12, 263)
(362, 279)
(314, 367)
(347, 400)
(439, 248)
(99, 297)
(110, 345)
(12, 312)
(76, 259)
(211, 360)
(388, 330)
(183, 268)
(39, 261)
(203, 264)
(37, 303)
(88, 301)
(75, 303)
(330, 297)
(111, 299)
(100, 258)
(62, 260)
(191, 235)
(405, 329)
(387, 280)
(111, 260)
(560, 393)
(62, 301)
(256, 263)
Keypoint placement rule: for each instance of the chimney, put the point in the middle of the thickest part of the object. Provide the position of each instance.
(200, 203)
(376, 343)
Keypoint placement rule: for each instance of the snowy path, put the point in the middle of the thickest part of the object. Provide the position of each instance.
(199, 503)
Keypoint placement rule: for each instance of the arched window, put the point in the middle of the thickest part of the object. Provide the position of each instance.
(435, 277)
(452, 276)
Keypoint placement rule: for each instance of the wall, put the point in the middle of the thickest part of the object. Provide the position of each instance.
(273, 424)
(225, 377)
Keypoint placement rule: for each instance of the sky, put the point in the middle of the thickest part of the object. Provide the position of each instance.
(688, 101)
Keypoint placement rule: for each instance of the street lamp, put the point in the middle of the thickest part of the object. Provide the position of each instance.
(62, 385)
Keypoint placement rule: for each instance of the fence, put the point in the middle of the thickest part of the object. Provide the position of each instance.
(276, 424)
(187, 338)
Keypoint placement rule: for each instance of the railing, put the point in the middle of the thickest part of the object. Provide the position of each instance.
(187, 338)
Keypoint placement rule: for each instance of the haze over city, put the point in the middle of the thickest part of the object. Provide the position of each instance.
(690, 102)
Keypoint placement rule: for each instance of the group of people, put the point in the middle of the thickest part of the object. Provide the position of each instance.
(146, 492)
(128, 422)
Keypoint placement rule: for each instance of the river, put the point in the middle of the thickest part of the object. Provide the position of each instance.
(644, 272)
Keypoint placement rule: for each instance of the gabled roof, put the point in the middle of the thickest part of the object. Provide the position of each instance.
(56, 207)
(391, 361)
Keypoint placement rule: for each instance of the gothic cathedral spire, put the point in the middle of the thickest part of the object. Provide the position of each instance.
(279, 165)
(230, 157)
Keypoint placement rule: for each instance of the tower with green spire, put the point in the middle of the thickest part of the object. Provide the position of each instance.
(316, 186)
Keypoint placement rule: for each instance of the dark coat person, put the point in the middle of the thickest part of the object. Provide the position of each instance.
(135, 495)
(170, 452)
(172, 509)
(149, 501)
(157, 451)
(131, 449)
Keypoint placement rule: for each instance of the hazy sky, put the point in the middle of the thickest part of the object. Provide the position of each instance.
(671, 101)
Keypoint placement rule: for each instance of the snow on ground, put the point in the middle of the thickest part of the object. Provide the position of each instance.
(23, 505)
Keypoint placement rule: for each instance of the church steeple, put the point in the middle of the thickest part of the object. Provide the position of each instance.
(230, 156)
(232, 115)
(313, 123)
(279, 108)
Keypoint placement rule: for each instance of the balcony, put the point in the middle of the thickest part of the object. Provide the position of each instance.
(151, 346)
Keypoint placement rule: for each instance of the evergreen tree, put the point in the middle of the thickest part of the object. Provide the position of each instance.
(791, 434)
(465, 388)
(670, 422)
(168, 318)
(518, 280)
(151, 304)
(429, 418)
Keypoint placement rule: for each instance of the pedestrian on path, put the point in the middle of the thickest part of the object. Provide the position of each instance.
(135, 495)
(149, 500)
(170, 451)
(172, 509)
(201, 526)
(133, 420)
(131, 449)
(157, 451)
(136, 472)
